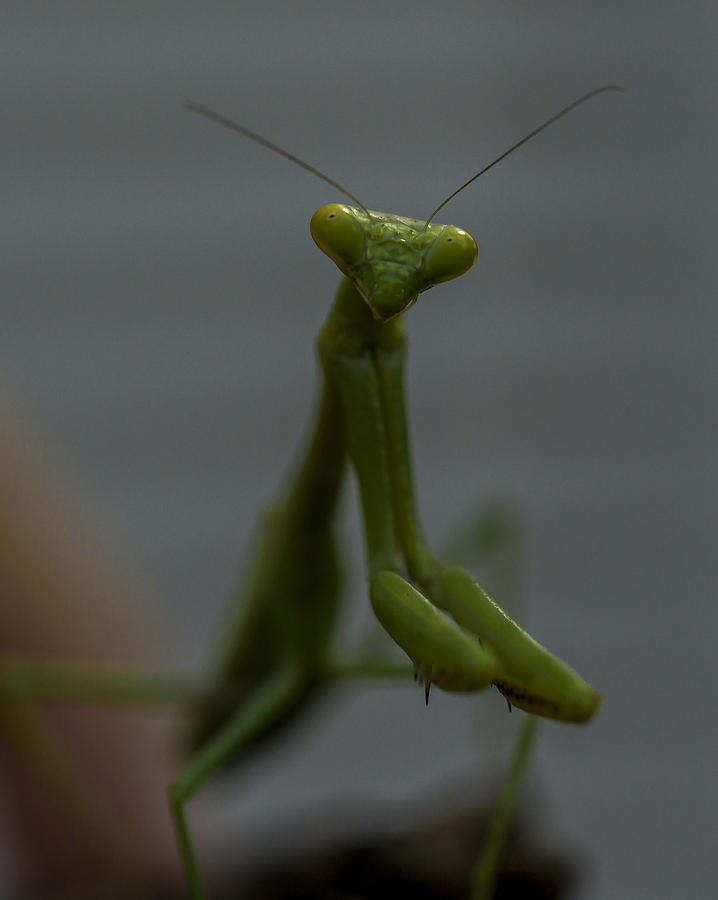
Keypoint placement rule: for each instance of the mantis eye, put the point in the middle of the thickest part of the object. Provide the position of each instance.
(338, 233)
(450, 255)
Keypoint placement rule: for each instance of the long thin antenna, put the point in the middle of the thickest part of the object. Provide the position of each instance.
(531, 134)
(252, 135)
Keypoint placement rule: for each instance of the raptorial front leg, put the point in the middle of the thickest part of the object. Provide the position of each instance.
(493, 537)
(479, 646)
(388, 363)
(356, 382)
(442, 652)
(528, 675)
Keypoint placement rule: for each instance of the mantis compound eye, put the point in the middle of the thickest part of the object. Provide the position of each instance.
(338, 233)
(452, 253)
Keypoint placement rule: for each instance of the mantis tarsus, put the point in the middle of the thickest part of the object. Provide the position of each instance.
(278, 654)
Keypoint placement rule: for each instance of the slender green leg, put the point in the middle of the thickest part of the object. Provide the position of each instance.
(262, 707)
(286, 605)
(27, 677)
(366, 440)
(483, 880)
(389, 367)
(367, 667)
(496, 533)
(375, 420)
(496, 529)
(24, 683)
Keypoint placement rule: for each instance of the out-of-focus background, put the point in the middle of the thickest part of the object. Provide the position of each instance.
(160, 297)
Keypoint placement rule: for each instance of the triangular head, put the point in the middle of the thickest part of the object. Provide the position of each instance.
(391, 259)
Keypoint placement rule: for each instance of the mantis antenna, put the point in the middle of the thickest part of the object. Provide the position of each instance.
(531, 134)
(252, 135)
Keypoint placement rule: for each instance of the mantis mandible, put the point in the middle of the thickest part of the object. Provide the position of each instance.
(278, 653)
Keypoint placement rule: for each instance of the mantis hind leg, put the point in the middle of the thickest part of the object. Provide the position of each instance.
(87, 838)
(486, 870)
(265, 705)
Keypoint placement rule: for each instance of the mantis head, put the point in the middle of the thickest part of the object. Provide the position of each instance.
(391, 259)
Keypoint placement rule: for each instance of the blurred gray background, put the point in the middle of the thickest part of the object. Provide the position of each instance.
(161, 293)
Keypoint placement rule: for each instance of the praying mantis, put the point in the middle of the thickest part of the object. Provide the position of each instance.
(278, 652)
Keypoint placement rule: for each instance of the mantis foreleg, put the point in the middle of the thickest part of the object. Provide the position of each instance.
(482, 645)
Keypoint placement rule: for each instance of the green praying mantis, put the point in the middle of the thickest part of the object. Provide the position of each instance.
(279, 652)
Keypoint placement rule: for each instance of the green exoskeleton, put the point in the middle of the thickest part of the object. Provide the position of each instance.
(279, 652)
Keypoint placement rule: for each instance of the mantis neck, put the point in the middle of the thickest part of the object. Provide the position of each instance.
(353, 328)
